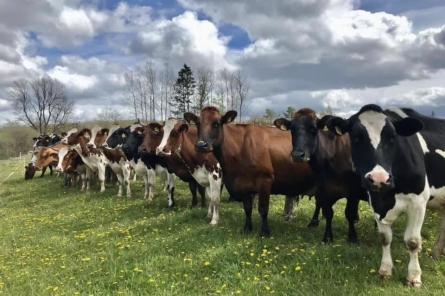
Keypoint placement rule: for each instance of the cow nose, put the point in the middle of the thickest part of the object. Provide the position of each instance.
(379, 179)
(298, 155)
(202, 145)
(142, 150)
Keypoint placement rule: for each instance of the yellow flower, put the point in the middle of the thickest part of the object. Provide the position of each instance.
(207, 263)
(298, 268)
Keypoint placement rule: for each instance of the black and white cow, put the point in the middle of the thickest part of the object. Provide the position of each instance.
(402, 167)
(129, 139)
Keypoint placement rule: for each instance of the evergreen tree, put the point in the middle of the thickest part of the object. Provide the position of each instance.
(183, 91)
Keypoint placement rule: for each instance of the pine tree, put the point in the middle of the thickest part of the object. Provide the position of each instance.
(183, 91)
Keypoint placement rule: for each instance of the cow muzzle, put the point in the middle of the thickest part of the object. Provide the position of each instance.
(203, 146)
(163, 152)
(300, 156)
(377, 180)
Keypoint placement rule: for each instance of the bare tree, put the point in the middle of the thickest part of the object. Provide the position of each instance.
(204, 88)
(149, 78)
(167, 83)
(241, 91)
(109, 114)
(41, 103)
(132, 96)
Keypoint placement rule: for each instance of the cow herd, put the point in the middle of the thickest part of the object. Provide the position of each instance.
(393, 159)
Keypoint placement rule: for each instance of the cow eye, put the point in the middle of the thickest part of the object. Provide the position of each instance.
(216, 124)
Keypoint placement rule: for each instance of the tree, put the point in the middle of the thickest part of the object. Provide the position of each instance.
(183, 91)
(269, 115)
(241, 91)
(204, 88)
(109, 114)
(289, 113)
(41, 103)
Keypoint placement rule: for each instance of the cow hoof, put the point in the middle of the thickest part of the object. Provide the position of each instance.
(247, 230)
(328, 240)
(313, 223)
(265, 233)
(353, 240)
(213, 222)
(414, 283)
(385, 272)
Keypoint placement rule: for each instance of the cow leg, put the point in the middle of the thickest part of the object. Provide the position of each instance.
(171, 189)
(214, 195)
(247, 203)
(328, 213)
(315, 217)
(101, 176)
(413, 241)
(289, 205)
(202, 192)
(440, 244)
(263, 207)
(351, 215)
(88, 177)
(120, 180)
(149, 179)
(193, 186)
(43, 172)
(83, 176)
(386, 265)
(126, 170)
(50, 170)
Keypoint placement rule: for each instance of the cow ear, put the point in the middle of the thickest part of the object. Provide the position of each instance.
(191, 118)
(408, 126)
(183, 128)
(338, 125)
(282, 123)
(229, 117)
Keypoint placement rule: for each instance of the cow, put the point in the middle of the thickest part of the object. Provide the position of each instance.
(73, 165)
(39, 142)
(254, 159)
(399, 157)
(95, 162)
(46, 156)
(153, 133)
(89, 145)
(330, 158)
(129, 139)
(179, 141)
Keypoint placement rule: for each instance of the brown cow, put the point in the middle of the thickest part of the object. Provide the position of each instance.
(47, 156)
(255, 160)
(72, 164)
(179, 142)
(153, 134)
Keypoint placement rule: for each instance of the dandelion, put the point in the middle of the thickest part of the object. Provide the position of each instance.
(207, 263)
(85, 259)
(372, 270)
(206, 278)
(298, 268)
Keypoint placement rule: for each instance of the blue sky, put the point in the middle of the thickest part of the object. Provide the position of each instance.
(337, 53)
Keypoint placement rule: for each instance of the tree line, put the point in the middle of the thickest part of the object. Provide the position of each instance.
(157, 94)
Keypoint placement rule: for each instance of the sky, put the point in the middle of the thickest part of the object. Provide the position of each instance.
(300, 53)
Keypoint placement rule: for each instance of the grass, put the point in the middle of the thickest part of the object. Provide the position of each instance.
(57, 241)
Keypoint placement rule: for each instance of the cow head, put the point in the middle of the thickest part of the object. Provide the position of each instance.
(101, 136)
(61, 155)
(153, 133)
(304, 129)
(30, 171)
(41, 141)
(210, 127)
(172, 139)
(117, 136)
(82, 138)
(133, 138)
(374, 143)
(69, 162)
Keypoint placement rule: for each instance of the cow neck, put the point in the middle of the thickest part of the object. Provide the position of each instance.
(186, 148)
(218, 150)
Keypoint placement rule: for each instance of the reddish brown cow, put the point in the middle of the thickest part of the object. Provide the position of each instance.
(179, 142)
(255, 160)
(153, 134)
(73, 165)
(47, 156)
